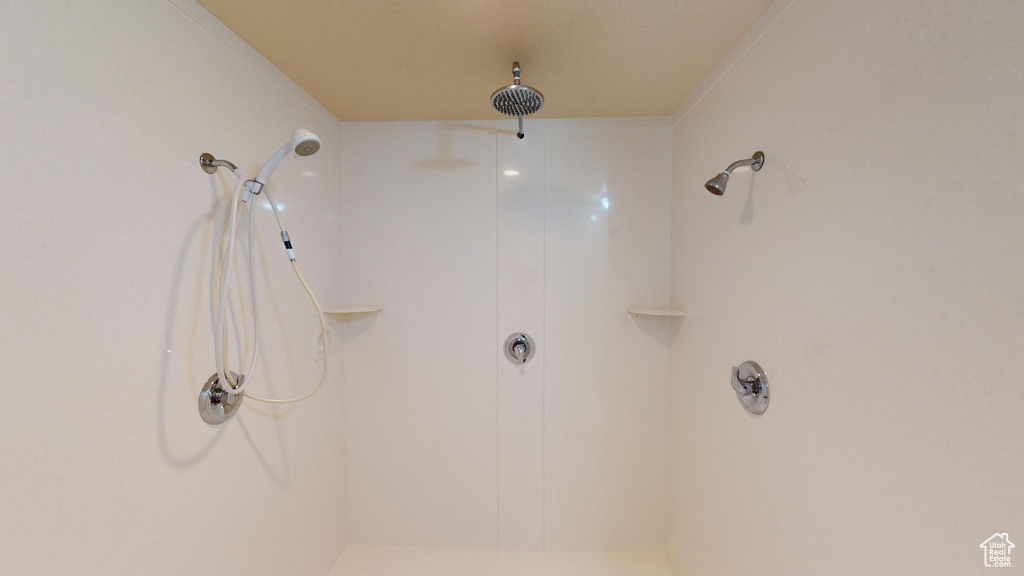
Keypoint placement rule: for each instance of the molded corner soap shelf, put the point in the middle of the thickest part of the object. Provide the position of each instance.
(654, 311)
(348, 310)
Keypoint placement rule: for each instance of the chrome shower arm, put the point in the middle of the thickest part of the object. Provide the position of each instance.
(738, 164)
(754, 162)
(209, 164)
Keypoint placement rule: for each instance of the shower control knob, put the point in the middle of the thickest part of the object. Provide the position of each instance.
(751, 386)
(216, 406)
(519, 348)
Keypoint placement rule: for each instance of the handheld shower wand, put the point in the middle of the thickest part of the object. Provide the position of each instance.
(303, 143)
(223, 392)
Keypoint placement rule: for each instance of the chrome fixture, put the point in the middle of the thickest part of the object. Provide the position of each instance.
(209, 164)
(751, 386)
(216, 406)
(717, 184)
(517, 99)
(519, 348)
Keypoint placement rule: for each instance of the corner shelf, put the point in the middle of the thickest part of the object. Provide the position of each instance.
(637, 311)
(348, 311)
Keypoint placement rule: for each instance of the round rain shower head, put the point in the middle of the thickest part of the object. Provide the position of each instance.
(517, 99)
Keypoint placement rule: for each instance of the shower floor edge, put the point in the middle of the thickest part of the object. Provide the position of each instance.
(360, 560)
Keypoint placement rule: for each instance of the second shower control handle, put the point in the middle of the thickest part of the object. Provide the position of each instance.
(519, 348)
(751, 386)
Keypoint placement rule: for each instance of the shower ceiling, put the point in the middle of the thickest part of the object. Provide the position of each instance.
(441, 59)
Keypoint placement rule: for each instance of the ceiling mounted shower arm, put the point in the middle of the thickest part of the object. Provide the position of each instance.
(516, 71)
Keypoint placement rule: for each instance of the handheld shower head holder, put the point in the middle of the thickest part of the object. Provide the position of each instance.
(251, 187)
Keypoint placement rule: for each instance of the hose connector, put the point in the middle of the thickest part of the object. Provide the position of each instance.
(288, 245)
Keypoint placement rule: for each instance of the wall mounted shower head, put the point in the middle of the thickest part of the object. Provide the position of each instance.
(517, 100)
(717, 184)
(303, 143)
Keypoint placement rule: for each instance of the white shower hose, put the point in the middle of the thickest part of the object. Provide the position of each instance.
(220, 333)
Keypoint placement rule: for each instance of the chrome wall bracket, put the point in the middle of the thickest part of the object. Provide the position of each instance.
(215, 405)
(519, 348)
(751, 386)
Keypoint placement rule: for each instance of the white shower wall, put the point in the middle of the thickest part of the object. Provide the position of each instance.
(109, 228)
(873, 267)
(448, 444)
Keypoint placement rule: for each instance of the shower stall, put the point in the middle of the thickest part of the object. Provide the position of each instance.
(545, 356)
(465, 235)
